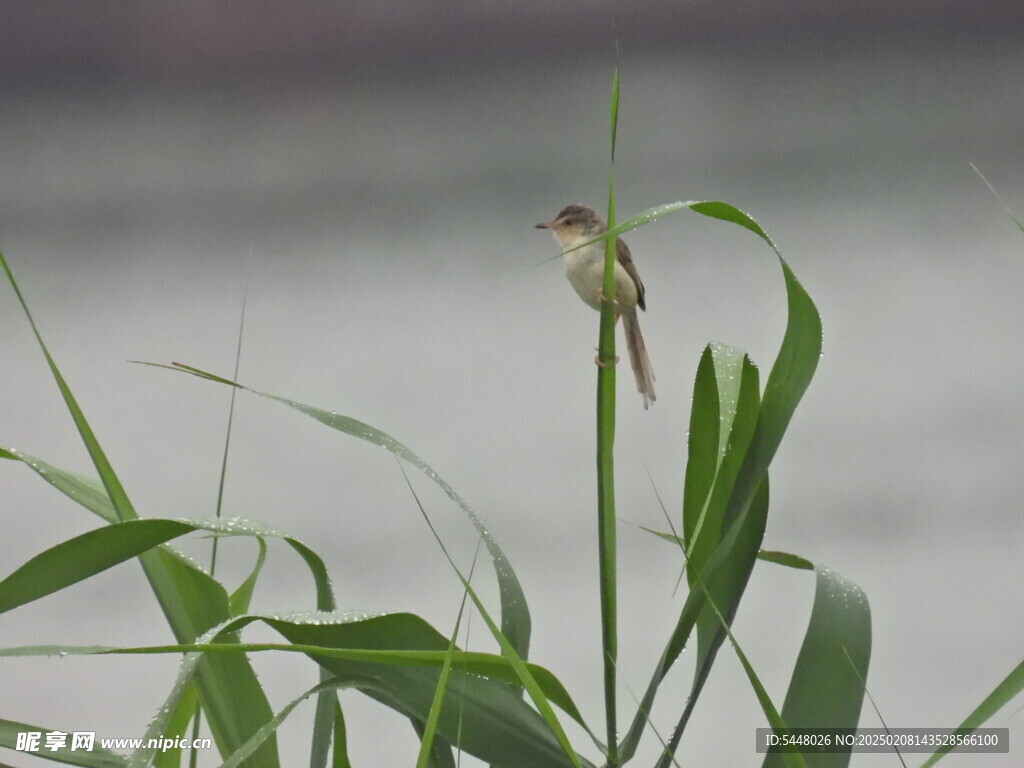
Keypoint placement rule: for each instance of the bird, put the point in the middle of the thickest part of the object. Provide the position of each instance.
(575, 225)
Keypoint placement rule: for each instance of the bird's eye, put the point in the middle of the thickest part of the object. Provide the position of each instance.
(567, 221)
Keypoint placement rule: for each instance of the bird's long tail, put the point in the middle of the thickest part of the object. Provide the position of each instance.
(638, 358)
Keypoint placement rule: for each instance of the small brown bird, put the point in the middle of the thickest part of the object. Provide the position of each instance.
(576, 224)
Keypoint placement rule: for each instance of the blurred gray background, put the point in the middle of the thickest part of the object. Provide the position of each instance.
(372, 173)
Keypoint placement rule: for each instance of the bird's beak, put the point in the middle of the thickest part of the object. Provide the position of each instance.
(545, 225)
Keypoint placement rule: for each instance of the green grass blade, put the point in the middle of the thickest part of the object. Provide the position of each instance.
(267, 730)
(83, 556)
(785, 559)
(526, 679)
(737, 409)
(1009, 211)
(827, 690)
(1008, 689)
(116, 492)
(86, 491)
(425, 759)
(613, 114)
(704, 447)
(242, 597)
(347, 648)
(791, 759)
(340, 739)
(515, 613)
(606, 517)
(95, 551)
(177, 724)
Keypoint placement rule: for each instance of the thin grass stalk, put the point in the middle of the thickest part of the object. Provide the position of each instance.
(605, 458)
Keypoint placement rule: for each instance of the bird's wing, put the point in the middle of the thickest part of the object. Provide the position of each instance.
(626, 260)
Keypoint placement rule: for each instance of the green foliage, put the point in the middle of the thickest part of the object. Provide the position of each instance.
(499, 707)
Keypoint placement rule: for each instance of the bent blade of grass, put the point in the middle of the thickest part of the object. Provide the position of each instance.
(745, 517)
(1008, 689)
(83, 556)
(92, 552)
(515, 613)
(242, 597)
(827, 687)
(728, 571)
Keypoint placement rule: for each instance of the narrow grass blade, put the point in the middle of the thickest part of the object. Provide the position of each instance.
(97, 757)
(242, 597)
(425, 758)
(515, 613)
(641, 219)
(791, 759)
(116, 492)
(606, 517)
(340, 739)
(527, 680)
(257, 739)
(790, 756)
(86, 491)
(1009, 211)
(786, 559)
(440, 755)
(1008, 689)
(177, 724)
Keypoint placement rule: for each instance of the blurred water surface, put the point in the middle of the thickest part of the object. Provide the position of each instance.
(383, 231)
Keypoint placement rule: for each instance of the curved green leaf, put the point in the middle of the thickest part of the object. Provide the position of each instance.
(515, 613)
(395, 658)
(827, 689)
(743, 520)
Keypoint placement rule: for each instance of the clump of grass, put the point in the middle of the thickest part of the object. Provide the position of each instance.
(499, 707)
